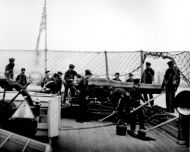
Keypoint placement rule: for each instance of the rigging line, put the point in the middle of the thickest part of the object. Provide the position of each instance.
(92, 127)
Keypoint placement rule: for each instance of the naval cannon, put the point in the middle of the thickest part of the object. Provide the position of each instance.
(144, 88)
(100, 89)
(99, 94)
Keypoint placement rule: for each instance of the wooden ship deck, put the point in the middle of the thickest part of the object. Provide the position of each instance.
(101, 136)
(96, 136)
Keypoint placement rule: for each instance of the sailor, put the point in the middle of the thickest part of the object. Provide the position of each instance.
(59, 82)
(46, 78)
(51, 85)
(148, 78)
(135, 101)
(9, 69)
(170, 84)
(83, 87)
(120, 100)
(117, 75)
(130, 79)
(21, 78)
(68, 80)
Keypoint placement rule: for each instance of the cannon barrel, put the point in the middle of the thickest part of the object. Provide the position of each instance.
(144, 88)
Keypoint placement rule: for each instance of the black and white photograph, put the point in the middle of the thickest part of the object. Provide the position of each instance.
(94, 75)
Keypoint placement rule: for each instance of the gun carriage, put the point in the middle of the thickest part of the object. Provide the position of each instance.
(9, 107)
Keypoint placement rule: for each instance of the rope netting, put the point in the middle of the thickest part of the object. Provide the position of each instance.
(102, 64)
(181, 60)
(122, 62)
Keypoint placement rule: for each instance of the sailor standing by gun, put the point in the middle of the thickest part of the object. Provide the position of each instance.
(83, 87)
(68, 80)
(170, 84)
(136, 99)
(148, 78)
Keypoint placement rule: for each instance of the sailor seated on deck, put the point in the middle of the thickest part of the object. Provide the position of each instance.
(49, 84)
(136, 100)
(45, 79)
(54, 85)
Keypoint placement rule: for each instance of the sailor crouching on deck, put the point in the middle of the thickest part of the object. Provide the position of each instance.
(135, 101)
(83, 87)
(120, 100)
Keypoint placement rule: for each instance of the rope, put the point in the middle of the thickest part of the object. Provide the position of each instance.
(92, 127)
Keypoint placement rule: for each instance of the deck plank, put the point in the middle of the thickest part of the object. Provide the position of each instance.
(101, 136)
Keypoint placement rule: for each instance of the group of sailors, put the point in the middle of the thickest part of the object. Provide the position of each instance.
(68, 82)
(126, 100)
(170, 83)
(52, 84)
(135, 99)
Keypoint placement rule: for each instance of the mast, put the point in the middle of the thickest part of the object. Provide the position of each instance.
(43, 26)
(45, 6)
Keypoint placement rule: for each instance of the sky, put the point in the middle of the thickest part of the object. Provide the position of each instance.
(97, 25)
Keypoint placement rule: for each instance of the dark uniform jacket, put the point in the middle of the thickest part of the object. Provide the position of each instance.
(70, 75)
(45, 81)
(9, 70)
(83, 84)
(21, 79)
(147, 76)
(135, 96)
(171, 78)
(59, 83)
(129, 80)
(117, 79)
(116, 95)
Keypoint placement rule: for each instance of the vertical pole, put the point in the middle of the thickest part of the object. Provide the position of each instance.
(106, 63)
(188, 144)
(45, 36)
(141, 59)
